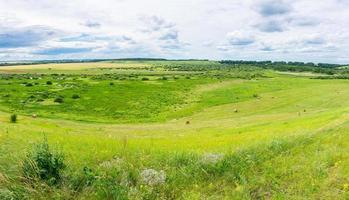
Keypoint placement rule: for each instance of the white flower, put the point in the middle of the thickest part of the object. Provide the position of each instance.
(152, 177)
(211, 158)
(111, 163)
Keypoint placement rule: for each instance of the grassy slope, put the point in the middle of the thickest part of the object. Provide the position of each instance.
(306, 119)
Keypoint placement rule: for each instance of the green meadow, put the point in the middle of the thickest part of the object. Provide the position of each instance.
(172, 130)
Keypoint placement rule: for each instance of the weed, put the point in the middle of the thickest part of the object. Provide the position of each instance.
(59, 100)
(13, 118)
(44, 164)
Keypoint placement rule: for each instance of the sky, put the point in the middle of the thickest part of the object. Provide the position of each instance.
(288, 30)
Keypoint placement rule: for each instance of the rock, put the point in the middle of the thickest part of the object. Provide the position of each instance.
(111, 163)
(152, 177)
(211, 158)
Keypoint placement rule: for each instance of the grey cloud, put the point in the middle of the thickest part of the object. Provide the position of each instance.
(171, 35)
(92, 24)
(267, 48)
(271, 26)
(315, 41)
(26, 36)
(84, 37)
(273, 7)
(241, 41)
(171, 46)
(62, 50)
(304, 21)
(155, 23)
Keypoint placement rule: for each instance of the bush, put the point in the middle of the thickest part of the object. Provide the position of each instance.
(75, 96)
(145, 79)
(49, 82)
(59, 100)
(29, 84)
(111, 83)
(43, 164)
(13, 118)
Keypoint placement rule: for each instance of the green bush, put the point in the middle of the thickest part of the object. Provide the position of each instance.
(29, 84)
(13, 118)
(43, 164)
(49, 82)
(75, 96)
(59, 100)
(145, 79)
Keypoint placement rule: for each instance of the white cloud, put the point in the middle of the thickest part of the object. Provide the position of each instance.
(228, 29)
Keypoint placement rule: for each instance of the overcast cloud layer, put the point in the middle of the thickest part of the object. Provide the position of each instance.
(291, 30)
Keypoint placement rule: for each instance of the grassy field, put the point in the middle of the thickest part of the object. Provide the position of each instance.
(151, 130)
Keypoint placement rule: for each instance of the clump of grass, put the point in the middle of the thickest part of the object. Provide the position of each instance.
(48, 82)
(145, 79)
(6, 194)
(13, 118)
(43, 164)
(29, 84)
(111, 83)
(75, 96)
(59, 100)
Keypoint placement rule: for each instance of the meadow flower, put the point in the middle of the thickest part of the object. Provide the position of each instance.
(111, 163)
(346, 186)
(152, 177)
(211, 158)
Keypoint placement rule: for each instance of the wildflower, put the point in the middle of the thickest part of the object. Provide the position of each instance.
(211, 158)
(111, 163)
(152, 177)
(336, 164)
(346, 186)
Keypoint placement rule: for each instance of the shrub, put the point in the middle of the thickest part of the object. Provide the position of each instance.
(13, 118)
(255, 95)
(145, 79)
(49, 82)
(59, 100)
(29, 84)
(111, 83)
(75, 96)
(79, 181)
(43, 164)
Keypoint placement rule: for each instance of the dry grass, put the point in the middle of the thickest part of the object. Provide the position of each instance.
(70, 66)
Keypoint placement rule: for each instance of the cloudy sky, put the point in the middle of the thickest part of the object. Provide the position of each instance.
(291, 30)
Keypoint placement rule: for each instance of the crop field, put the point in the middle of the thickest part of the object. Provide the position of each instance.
(173, 130)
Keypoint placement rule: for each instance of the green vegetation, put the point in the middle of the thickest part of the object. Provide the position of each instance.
(157, 129)
(13, 118)
(43, 164)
